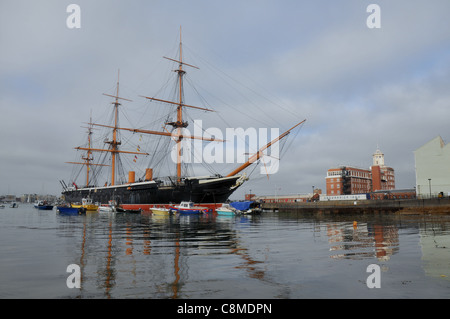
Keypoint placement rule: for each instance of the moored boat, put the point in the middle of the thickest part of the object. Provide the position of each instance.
(109, 208)
(131, 211)
(87, 204)
(106, 208)
(226, 210)
(43, 205)
(189, 208)
(246, 207)
(161, 211)
(67, 210)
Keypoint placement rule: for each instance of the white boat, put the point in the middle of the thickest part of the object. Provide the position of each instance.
(109, 208)
(189, 208)
(226, 209)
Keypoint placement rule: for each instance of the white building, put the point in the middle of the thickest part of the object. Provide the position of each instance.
(433, 168)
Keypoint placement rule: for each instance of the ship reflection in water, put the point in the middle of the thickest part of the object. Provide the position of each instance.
(267, 256)
(161, 252)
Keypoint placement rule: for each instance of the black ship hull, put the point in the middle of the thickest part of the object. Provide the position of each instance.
(198, 190)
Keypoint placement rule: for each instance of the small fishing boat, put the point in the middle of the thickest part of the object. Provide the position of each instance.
(109, 208)
(160, 211)
(86, 203)
(247, 207)
(189, 208)
(123, 210)
(226, 210)
(67, 210)
(2, 206)
(14, 205)
(106, 209)
(42, 205)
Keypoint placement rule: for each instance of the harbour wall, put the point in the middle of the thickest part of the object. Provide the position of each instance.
(405, 206)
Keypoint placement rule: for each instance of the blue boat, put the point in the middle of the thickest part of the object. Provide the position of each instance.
(42, 205)
(64, 210)
(246, 207)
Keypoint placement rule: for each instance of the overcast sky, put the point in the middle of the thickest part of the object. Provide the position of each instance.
(357, 87)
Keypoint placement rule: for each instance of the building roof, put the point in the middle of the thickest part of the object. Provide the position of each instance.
(434, 143)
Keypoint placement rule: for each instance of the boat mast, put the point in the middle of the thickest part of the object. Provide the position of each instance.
(114, 150)
(88, 158)
(260, 153)
(179, 124)
(114, 143)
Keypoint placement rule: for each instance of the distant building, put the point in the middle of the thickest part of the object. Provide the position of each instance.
(249, 196)
(346, 180)
(292, 198)
(383, 177)
(432, 168)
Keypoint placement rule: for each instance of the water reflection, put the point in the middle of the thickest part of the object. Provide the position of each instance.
(161, 256)
(435, 246)
(150, 249)
(362, 240)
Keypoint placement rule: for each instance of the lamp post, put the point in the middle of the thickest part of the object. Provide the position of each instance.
(429, 185)
(276, 193)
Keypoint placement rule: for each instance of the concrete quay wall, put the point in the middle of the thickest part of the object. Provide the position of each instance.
(433, 205)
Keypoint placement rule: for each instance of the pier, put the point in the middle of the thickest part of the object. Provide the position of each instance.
(405, 206)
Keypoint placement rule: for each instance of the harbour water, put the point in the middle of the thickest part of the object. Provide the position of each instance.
(272, 256)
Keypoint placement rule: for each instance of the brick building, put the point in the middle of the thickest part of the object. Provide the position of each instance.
(346, 180)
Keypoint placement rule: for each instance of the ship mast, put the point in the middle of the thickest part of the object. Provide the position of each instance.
(179, 124)
(114, 143)
(88, 158)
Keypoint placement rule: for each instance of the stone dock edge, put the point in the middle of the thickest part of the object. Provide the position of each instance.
(406, 206)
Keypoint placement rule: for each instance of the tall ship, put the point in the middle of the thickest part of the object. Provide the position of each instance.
(149, 190)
